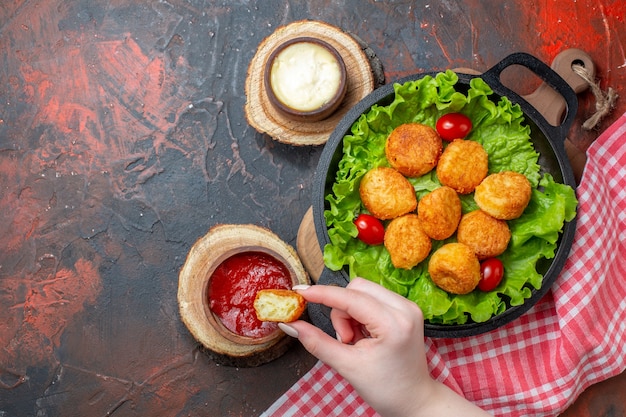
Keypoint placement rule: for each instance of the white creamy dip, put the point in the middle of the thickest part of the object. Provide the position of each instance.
(305, 76)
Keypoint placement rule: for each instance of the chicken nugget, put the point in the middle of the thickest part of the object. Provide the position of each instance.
(440, 212)
(484, 234)
(413, 149)
(406, 242)
(454, 268)
(463, 165)
(278, 305)
(386, 193)
(504, 195)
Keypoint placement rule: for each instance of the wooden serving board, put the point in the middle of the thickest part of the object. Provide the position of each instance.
(364, 74)
(549, 103)
(308, 247)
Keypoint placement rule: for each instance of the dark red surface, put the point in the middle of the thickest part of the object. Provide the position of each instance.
(123, 140)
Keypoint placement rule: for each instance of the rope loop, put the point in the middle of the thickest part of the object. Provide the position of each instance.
(605, 102)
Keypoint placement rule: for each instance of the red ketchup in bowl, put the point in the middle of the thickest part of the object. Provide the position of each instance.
(234, 285)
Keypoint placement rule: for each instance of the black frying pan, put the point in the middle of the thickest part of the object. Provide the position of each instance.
(547, 139)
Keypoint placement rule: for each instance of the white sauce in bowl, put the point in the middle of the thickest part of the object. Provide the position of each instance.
(305, 76)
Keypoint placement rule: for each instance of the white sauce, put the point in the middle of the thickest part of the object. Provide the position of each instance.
(305, 76)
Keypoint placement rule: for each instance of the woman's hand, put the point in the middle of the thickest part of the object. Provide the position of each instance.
(379, 349)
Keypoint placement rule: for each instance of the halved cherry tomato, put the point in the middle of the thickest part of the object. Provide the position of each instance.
(453, 126)
(491, 273)
(371, 230)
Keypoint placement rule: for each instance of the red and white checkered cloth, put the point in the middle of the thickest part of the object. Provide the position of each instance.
(538, 364)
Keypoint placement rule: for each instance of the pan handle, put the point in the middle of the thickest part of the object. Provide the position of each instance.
(550, 77)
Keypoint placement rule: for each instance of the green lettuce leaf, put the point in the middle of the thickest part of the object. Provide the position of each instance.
(500, 129)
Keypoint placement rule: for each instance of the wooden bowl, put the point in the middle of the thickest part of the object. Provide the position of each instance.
(207, 254)
(305, 79)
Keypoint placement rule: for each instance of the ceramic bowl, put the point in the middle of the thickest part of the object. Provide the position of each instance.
(305, 79)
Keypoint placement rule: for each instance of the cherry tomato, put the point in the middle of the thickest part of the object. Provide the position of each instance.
(453, 126)
(371, 230)
(491, 272)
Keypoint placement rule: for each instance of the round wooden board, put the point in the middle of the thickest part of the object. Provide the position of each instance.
(221, 242)
(264, 118)
(308, 247)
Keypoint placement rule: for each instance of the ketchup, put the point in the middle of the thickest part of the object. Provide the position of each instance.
(234, 285)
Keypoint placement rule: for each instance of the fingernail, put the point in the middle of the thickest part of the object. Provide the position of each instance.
(289, 331)
(300, 287)
(339, 337)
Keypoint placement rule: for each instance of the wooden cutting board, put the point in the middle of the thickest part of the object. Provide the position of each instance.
(308, 247)
(364, 74)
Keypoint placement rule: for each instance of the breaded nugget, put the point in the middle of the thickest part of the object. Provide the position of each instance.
(406, 242)
(386, 193)
(278, 305)
(484, 234)
(463, 165)
(454, 268)
(504, 195)
(413, 149)
(439, 212)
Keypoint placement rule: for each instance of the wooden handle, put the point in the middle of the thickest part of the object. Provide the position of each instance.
(548, 102)
(552, 106)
